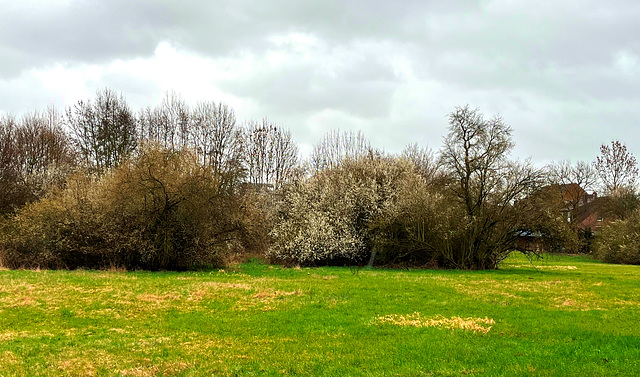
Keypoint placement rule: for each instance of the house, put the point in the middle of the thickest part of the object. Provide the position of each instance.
(584, 212)
(593, 215)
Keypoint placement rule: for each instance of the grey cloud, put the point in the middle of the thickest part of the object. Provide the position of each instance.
(91, 31)
(362, 85)
(547, 66)
(84, 31)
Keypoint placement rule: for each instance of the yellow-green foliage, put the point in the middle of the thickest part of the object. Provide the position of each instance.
(159, 210)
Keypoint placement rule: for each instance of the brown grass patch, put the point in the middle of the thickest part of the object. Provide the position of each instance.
(561, 294)
(22, 301)
(158, 299)
(166, 369)
(140, 371)
(218, 285)
(77, 367)
(11, 335)
(9, 358)
(272, 295)
(481, 325)
(211, 290)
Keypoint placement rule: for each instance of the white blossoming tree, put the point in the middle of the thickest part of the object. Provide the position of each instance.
(332, 217)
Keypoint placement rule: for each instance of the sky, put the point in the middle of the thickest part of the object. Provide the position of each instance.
(565, 75)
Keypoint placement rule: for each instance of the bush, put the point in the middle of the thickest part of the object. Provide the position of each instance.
(341, 214)
(619, 242)
(423, 226)
(159, 210)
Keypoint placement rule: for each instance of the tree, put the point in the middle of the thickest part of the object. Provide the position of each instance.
(9, 165)
(569, 183)
(46, 154)
(104, 130)
(35, 155)
(168, 124)
(617, 168)
(271, 155)
(565, 173)
(217, 139)
(619, 242)
(488, 186)
(335, 146)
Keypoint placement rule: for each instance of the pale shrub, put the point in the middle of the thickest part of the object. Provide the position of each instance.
(335, 216)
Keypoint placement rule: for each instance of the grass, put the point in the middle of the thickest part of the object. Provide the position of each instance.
(560, 316)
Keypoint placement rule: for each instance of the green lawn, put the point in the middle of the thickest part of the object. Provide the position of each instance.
(560, 316)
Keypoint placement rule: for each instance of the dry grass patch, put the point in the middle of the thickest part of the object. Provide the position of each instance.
(157, 299)
(212, 290)
(166, 369)
(77, 367)
(478, 325)
(561, 294)
(12, 335)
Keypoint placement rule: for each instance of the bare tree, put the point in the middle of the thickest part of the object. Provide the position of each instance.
(271, 155)
(570, 182)
(168, 124)
(9, 165)
(617, 168)
(217, 139)
(487, 185)
(43, 142)
(104, 130)
(36, 154)
(336, 146)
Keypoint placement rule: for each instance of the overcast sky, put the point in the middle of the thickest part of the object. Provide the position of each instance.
(564, 74)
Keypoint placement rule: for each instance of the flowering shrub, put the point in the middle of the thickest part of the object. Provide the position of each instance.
(334, 216)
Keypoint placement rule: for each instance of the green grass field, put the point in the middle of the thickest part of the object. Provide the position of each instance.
(559, 316)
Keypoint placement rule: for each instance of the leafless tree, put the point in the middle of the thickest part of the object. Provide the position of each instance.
(168, 124)
(104, 130)
(9, 165)
(488, 186)
(217, 139)
(35, 153)
(336, 146)
(43, 142)
(271, 155)
(617, 168)
(570, 182)
(581, 173)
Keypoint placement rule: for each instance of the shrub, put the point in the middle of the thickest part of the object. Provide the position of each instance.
(338, 215)
(423, 226)
(159, 210)
(619, 242)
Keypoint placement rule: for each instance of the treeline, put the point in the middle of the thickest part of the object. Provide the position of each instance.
(180, 187)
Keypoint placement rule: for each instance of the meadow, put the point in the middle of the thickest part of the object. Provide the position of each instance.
(558, 316)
